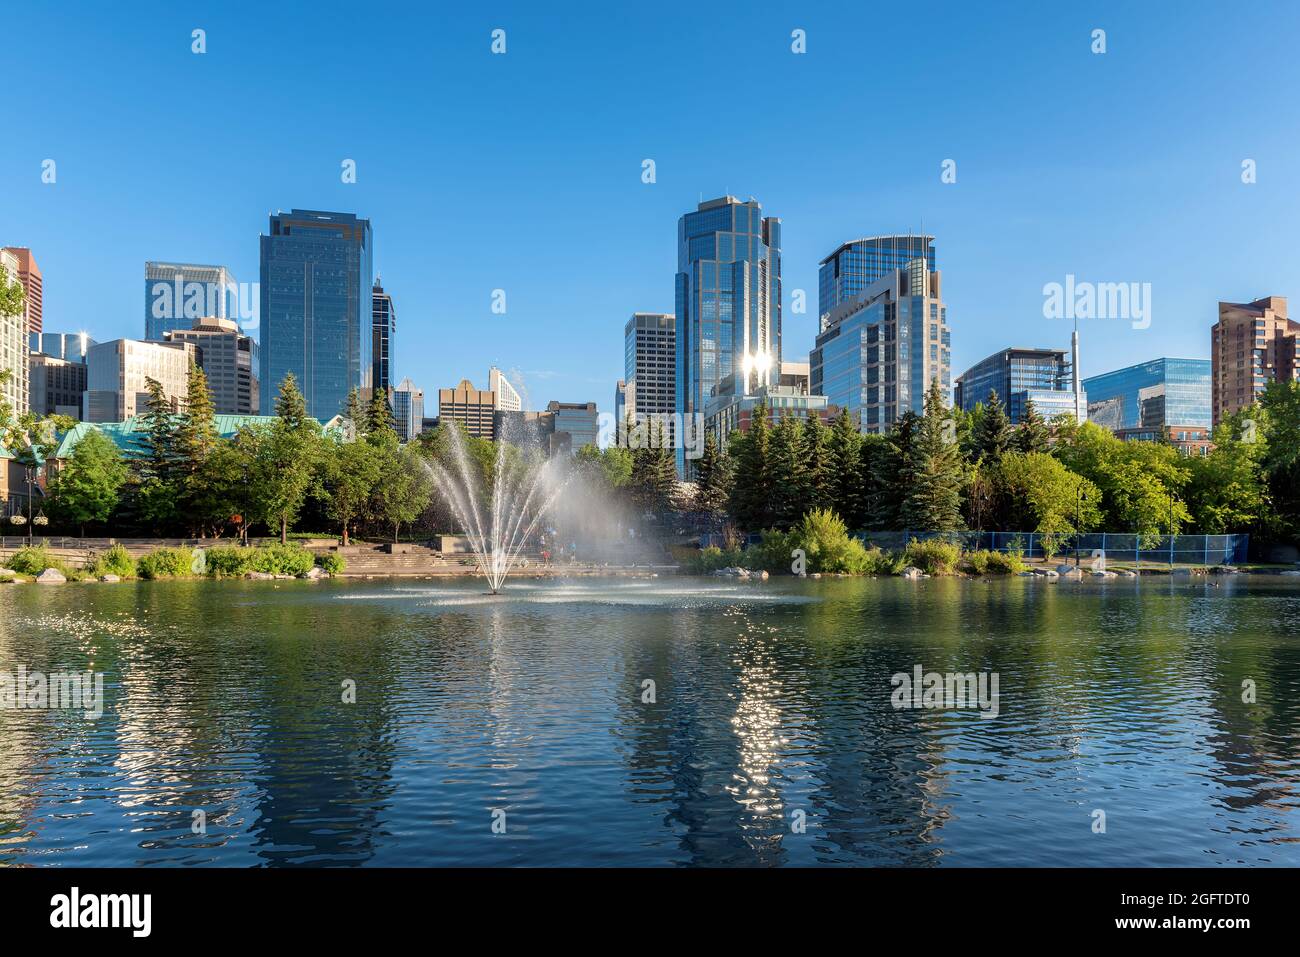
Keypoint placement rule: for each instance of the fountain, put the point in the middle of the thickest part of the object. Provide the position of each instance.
(523, 491)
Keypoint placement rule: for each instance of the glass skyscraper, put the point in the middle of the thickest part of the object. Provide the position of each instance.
(879, 351)
(175, 294)
(728, 295)
(1018, 376)
(1152, 395)
(853, 267)
(381, 345)
(317, 308)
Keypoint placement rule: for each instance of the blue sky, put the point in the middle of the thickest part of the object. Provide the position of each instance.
(523, 171)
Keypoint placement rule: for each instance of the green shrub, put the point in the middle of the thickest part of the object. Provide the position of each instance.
(1050, 543)
(712, 558)
(34, 559)
(116, 560)
(166, 563)
(228, 561)
(825, 539)
(934, 557)
(282, 560)
(1016, 547)
(771, 553)
(998, 563)
(333, 562)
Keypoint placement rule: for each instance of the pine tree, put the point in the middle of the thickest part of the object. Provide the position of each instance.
(788, 501)
(290, 405)
(356, 414)
(379, 417)
(288, 458)
(712, 480)
(752, 482)
(157, 467)
(1033, 434)
(880, 463)
(817, 458)
(845, 486)
(654, 470)
(932, 474)
(197, 440)
(992, 436)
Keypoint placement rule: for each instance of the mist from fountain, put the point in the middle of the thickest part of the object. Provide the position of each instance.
(523, 492)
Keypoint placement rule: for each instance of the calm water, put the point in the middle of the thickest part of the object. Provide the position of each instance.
(772, 702)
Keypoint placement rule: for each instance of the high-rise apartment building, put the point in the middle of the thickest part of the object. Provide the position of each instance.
(471, 407)
(408, 409)
(29, 274)
(384, 332)
(728, 297)
(228, 359)
(116, 372)
(176, 294)
(1020, 376)
(878, 352)
(1252, 344)
(13, 342)
(317, 308)
(507, 397)
(847, 272)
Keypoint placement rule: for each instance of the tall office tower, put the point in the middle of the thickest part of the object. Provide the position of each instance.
(29, 274)
(229, 360)
(845, 273)
(507, 397)
(1152, 395)
(408, 409)
(13, 342)
(728, 295)
(621, 395)
(650, 364)
(175, 294)
(384, 315)
(56, 385)
(1251, 345)
(878, 352)
(316, 285)
(71, 346)
(473, 408)
(1019, 376)
(116, 372)
(575, 424)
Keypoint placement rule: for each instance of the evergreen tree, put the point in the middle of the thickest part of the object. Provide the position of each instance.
(932, 473)
(379, 417)
(816, 440)
(880, 460)
(844, 473)
(992, 435)
(157, 468)
(199, 486)
(654, 470)
(789, 488)
(712, 479)
(356, 413)
(1033, 434)
(751, 487)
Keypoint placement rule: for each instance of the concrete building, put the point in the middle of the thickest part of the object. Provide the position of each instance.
(116, 373)
(1019, 376)
(1251, 345)
(317, 308)
(29, 274)
(176, 294)
(795, 375)
(229, 359)
(473, 408)
(728, 304)
(878, 352)
(408, 409)
(13, 342)
(384, 335)
(57, 386)
(507, 397)
(649, 363)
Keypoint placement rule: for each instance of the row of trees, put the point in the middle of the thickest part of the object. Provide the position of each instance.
(947, 470)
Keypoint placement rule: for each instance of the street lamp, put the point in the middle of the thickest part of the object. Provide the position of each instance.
(1171, 531)
(1080, 496)
(31, 479)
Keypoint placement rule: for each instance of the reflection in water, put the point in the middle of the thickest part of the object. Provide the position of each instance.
(770, 706)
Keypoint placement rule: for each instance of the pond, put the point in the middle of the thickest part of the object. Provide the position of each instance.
(670, 721)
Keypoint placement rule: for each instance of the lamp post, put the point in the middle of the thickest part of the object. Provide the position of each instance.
(31, 479)
(1080, 496)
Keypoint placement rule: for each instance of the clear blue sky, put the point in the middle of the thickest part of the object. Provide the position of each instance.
(523, 171)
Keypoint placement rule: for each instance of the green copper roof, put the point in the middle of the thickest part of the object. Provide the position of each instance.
(127, 435)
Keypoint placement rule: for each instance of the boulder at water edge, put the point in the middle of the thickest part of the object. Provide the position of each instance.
(51, 576)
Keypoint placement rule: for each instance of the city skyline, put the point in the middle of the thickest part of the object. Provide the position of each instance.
(1032, 202)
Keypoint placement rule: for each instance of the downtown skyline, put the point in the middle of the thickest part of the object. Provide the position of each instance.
(1043, 189)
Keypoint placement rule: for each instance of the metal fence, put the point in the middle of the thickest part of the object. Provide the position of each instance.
(1115, 546)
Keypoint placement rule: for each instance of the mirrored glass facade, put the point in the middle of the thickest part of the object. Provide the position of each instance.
(1017, 376)
(1151, 395)
(317, 308)
(853, 267)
